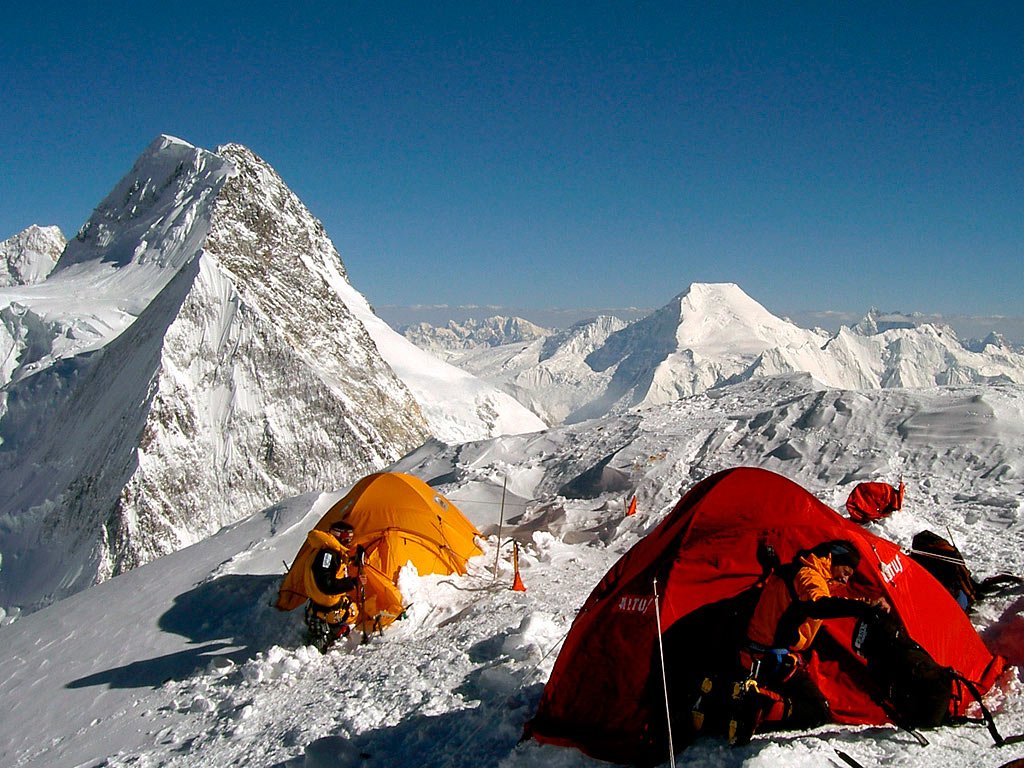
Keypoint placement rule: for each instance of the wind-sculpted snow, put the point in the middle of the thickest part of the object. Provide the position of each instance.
(189, 664)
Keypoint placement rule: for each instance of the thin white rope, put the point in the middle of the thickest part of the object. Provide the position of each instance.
(943, 558)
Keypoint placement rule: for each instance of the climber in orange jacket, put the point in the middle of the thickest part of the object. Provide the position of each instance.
(795, 600)
(327, 580)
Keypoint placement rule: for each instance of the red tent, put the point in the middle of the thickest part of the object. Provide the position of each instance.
(605, 694)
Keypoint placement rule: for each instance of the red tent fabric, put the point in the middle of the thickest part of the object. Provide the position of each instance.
(605, 695)
(870, 501)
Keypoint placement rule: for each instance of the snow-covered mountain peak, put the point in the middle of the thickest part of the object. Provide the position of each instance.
(714, 334)
(994, 342)
(719, 318)
(876, 321)
(156, 215)
(30, 255)
(473, 334)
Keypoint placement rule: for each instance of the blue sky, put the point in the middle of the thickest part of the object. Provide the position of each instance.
(821, 155)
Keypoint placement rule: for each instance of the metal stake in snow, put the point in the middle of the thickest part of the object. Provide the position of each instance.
(664, 679)
(501, 522)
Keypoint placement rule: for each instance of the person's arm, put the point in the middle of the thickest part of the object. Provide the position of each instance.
(839, 607)
(814, 593)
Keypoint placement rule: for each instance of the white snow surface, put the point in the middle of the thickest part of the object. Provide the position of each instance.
(458, 406)
(182, 662)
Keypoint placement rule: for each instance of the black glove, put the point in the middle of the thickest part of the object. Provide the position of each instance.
(347, 584)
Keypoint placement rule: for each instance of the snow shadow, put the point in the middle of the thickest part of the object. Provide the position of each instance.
(465, 738)
(1006, 636)
(225, 618)
(152, 673)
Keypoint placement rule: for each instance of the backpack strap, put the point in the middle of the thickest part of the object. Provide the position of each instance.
(986, 715)
(996, 584)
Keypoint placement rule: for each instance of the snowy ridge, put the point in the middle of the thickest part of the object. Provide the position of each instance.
(192, 667)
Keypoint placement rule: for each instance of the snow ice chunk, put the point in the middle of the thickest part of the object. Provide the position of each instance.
(536, 633)
(201, 704)
(498, 682)
(220, 666)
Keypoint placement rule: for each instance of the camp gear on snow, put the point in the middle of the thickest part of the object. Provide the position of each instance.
(794, 702)
(943, 560)
(871, 501)
(664, 679)
(398, 519)
(749, 705)
(916, 688)
(604, 696)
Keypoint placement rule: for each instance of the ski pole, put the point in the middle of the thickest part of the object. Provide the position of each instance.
(664, 679)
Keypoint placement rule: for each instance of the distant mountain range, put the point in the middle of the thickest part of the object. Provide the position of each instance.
(473, 334)
(708, 336)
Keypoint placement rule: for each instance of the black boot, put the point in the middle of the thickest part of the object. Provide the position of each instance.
(748, 708)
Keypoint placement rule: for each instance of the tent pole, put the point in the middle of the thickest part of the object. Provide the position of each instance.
(501, 522)
(664, 679)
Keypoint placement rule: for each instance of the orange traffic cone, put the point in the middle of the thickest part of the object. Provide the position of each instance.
(517, 582)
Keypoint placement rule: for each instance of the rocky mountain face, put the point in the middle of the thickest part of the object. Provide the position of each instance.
(714, 334)
(189, 361)
(30, 256)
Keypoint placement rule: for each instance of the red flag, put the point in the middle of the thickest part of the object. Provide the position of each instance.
(517, 582)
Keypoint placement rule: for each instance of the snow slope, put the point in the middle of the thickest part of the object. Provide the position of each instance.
(182, 662)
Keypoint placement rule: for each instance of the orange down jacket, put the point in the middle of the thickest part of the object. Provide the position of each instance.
(811, 582)
(318, 541)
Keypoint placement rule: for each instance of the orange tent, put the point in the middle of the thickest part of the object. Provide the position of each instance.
(398, 519)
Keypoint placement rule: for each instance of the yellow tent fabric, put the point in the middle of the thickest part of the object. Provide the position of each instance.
(398, 519)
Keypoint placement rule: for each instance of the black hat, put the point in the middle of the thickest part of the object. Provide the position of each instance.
(346, 529)
(843, 553)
